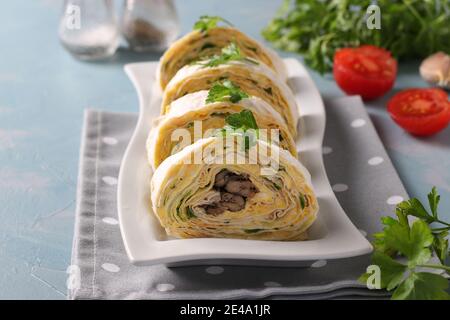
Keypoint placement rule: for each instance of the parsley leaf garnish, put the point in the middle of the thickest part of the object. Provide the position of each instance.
(415, 242)
(433, 199)
(412, 242)
(241, 124)
(224, 91)
(391, 271)
(204, 23)
(228, 54)
(243, 120)
(422, 286)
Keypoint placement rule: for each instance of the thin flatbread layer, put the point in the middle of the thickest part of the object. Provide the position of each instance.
(197, 44)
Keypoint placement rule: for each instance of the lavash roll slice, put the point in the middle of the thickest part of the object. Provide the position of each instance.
(198, 44)
(223, 200)
(255, 78)
(193, 114)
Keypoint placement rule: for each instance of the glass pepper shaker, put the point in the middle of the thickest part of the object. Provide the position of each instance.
(149, 25)
(88, 28)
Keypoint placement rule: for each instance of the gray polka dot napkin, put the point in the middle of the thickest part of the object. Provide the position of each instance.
(362, 176)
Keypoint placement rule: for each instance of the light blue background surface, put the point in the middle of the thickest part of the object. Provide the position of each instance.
(43, 92)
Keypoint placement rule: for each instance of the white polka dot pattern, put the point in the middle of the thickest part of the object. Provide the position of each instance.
(110, 180)
(164, 287)
(109, 220)
(271, 284)
(375, 161)
(340, 187)
(110, 267)
(327, 150)
(319, 264)
(394, 200)
(110, 141)
(214, 270)
(358, 123)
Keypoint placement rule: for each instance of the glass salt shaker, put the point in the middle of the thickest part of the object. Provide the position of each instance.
(88, 28)
(149, 25)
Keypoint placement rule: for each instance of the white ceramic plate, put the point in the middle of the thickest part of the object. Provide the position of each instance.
(332, 236)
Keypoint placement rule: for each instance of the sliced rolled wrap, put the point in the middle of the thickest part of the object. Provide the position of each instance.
(198, 44)
(254, 78)
(233, 200)
(185, 111)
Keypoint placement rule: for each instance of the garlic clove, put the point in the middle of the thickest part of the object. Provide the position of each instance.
(436, 69)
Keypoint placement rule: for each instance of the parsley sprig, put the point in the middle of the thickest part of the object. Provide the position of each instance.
(225, 91)
(243, 120)
(205, 23)
(227, 54)
(423, 24)
(241, 124)
(414, 242)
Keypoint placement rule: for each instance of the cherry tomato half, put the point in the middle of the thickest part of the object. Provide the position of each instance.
(367, 70)
(421, 112)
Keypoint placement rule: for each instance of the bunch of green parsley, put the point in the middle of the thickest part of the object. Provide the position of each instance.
(316, 29)
(404, 248)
